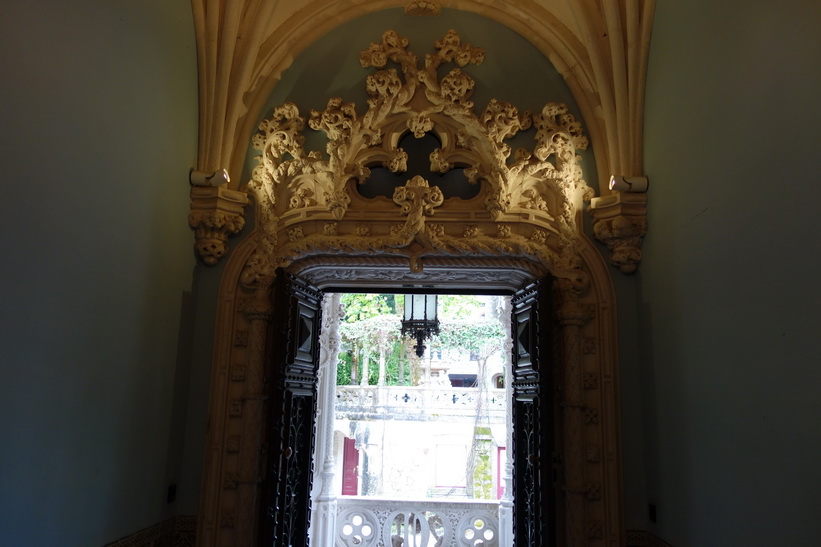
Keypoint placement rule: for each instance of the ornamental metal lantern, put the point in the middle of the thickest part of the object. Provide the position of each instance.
(420, 320)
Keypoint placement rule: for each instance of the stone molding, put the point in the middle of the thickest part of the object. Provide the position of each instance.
(453, 273)
(588, 315)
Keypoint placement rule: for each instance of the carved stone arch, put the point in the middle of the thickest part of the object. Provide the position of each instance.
(308, 222)
(600, 49)
(586, 322)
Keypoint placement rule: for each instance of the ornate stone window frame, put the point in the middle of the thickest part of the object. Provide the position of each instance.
(526, 222)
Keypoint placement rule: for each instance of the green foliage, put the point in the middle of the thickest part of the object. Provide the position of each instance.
(482, 476)
(380, 329)
(481, 467)
(373, 321)
(343, 369)
(475, 335)
(457, 306)
(365, 306)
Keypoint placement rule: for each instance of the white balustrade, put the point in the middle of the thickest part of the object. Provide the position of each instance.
(415, 402)
(379, 522)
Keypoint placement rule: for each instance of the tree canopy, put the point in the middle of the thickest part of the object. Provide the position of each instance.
(370, 332)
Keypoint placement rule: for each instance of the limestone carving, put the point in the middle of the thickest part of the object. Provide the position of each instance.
(422, 7)
(540, 188)
(620, 222)
(216, 213)
(601, 51)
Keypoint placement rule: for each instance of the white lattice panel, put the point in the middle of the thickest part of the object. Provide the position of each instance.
(377, 522)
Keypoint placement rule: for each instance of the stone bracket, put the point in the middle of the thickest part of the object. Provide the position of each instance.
(620, 222)
(216, 213)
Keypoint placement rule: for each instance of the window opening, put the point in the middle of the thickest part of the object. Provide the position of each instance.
(429, 427)
(421, 153)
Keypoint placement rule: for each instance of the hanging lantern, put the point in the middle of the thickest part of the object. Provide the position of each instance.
(420, 320)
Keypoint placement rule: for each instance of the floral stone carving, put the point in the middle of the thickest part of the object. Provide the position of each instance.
(522, 191)
(216, 213)
(620, 222)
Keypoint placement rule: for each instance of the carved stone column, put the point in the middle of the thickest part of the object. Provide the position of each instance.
(216, 213)
(506, 503)
(323, 523)
(259, 311)
(571, 317)
(620, 222)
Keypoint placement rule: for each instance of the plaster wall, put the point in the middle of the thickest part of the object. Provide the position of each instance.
(98, 130)
(729, 291)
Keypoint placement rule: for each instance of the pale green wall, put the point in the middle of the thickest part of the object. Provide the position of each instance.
(729, 284)
(103, 395)
(98, 112)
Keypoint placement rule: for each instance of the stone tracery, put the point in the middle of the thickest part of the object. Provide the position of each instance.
(530, 199)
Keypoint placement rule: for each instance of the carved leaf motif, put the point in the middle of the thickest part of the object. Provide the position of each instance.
(472, 174)
(417, 200)
(338, 201)
(337, 120)
(278, 136)
(302, 197)
(439, 164)
(295, 234)
(419, 125)
(392, 47)
(436, 230)
(450, 48)
(558, 133)
(383, 84)
(539, 237)
(457, 87)
(532, 200)
(502, 121)
(398, 162)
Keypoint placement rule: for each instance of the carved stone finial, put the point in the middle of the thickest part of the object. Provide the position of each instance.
(620, 222)
(418, 194)
(216, 214)
(422, 7)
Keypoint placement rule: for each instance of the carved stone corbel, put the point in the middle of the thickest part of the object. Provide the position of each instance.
(216, 213)
(620, 222)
